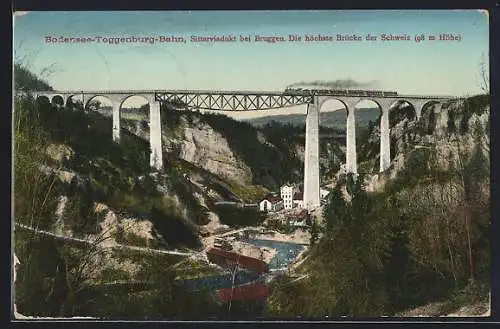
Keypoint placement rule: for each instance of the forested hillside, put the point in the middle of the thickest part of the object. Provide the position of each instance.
(423, 236)
(74, 182)
(415, 234)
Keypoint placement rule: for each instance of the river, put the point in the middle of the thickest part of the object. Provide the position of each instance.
(286, 253)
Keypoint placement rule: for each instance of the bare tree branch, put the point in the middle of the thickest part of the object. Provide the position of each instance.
(484, 75)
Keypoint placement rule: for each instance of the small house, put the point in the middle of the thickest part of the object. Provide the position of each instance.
(271, 204)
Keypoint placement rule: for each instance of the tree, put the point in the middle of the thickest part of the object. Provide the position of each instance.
(26, 81)
(335, 209)
(94, 105)
(314, 231)
(484, 77)
(80, 267)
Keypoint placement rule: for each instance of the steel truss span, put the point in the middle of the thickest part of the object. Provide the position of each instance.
(233, 101)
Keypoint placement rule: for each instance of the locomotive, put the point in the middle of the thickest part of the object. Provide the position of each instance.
(341, 92)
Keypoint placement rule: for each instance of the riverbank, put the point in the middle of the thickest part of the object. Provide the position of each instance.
(299, 237)
(301, 257)
(263, 253)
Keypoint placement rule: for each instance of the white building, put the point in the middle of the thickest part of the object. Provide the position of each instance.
(271, 204)
(287, 193)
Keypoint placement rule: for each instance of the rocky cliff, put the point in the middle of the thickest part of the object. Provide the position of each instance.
(448, 132)
(199, 144)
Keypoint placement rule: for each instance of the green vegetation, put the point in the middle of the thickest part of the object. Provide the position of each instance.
(284, 138)
(265, 161)
(473, 293)
(369, 150)
(60, 278)
(171, 230)
(473, 105)
(400, 113)
(270, 166)
(132, 239)
(118, 175)
(27, 81)
(285, 228)
(425, 238)
(235, 216)
(35, 193)
(195, 269)
(248, 193)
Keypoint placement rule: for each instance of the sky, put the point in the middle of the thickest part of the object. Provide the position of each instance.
(408, 67)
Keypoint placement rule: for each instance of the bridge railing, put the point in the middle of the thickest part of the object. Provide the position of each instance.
(233, 92)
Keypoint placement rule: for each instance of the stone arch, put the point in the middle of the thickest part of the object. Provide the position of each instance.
(43, 99)
(427, 119)
(129, 97)
(405, 112)
(332, 98)
(92, 98)
(369, 121)
(58, 100)
(425, 105)
(133, 120)
(332, 140)
(321, 106)
(422, 104)
(75, 101)
(350, 105)
(401, 109)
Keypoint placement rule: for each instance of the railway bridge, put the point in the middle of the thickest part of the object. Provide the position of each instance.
(259, 101)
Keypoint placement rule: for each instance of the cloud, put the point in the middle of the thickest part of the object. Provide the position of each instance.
(21, 13)
(343, 83)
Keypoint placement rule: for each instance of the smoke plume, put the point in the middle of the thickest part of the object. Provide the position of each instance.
(336, 84)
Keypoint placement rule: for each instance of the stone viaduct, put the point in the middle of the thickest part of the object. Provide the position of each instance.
(256, 101)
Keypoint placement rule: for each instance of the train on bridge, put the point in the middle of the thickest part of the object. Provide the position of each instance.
(341, 92)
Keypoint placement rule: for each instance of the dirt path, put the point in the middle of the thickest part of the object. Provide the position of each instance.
(111, 245)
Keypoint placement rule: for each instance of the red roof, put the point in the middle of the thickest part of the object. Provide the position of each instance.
(250, 291)
(273, 199)
(254, 264)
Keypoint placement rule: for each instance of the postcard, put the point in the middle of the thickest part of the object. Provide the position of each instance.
(251, 165)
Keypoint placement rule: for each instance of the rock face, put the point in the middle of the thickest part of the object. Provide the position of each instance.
(446, 129)
(59, 153)
(206, 148)
(198, 143)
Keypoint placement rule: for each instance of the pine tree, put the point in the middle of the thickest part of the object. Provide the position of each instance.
(335, 211)
(314, 231)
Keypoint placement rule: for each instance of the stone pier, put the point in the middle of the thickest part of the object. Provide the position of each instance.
(351, 164)
(385, 140)
(155, 136)
(116, 121)
(262, 101)
(311, 158)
